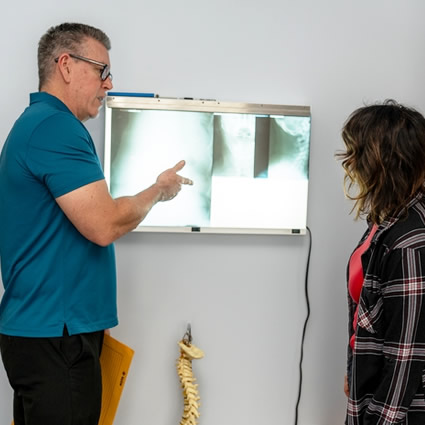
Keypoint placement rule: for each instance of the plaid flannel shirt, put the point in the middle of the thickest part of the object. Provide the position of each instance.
(386, 369)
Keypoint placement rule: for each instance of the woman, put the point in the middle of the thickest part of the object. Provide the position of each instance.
(384, 162)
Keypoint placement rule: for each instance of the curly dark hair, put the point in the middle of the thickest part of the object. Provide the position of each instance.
(66, 37)
(384, 158)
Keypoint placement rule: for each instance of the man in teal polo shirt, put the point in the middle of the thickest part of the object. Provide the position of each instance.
(57, 225)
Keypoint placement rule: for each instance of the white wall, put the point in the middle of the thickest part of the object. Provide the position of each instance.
(243, 295)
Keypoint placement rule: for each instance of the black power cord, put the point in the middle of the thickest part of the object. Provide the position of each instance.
(305, 325)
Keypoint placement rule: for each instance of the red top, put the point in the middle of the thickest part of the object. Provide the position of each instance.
(356, 276)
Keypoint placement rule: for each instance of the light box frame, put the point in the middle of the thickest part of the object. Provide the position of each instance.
(139, 103)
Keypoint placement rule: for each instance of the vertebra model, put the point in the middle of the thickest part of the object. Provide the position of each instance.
(188, 352)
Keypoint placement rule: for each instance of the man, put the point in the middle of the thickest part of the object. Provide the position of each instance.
(57, 225)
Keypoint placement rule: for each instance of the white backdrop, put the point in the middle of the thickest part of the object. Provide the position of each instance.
(243, 295)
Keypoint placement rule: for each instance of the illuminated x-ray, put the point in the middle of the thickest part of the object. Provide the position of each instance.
(249, 171)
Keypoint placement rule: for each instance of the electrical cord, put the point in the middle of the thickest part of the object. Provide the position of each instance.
(305, 326)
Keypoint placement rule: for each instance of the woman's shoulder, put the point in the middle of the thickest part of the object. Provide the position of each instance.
(409, 230)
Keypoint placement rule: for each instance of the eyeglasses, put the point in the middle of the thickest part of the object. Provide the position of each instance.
(104, 72)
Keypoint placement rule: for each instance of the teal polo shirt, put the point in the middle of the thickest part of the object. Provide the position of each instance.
(52, 275)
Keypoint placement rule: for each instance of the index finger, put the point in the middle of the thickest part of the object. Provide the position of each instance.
(185, 180)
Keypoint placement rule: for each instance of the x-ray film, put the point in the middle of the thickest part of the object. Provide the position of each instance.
(249, 163)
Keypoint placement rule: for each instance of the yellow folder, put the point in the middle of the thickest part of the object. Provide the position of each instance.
(115, 361)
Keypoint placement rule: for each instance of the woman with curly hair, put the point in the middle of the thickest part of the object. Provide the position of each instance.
(384, 161)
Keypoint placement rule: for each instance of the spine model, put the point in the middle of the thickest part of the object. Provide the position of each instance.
(188, 352)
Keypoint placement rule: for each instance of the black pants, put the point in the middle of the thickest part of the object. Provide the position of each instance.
(56, 381)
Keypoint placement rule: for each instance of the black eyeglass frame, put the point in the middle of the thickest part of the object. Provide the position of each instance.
(105, 72)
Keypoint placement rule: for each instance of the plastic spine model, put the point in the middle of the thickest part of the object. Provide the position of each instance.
(188, 352)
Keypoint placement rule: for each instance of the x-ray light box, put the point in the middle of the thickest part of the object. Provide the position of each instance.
(249, 162)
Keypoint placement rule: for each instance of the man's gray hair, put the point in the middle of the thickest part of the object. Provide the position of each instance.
(66, 37)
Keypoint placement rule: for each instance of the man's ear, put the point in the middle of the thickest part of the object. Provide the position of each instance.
(65, 67)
